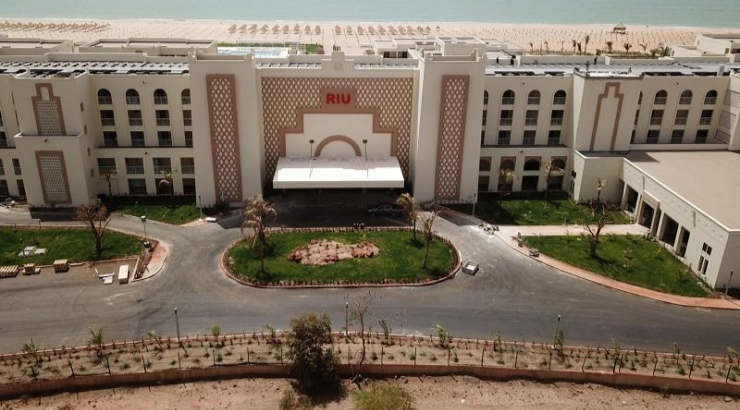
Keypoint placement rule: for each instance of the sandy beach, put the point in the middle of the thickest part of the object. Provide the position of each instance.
(356, 37)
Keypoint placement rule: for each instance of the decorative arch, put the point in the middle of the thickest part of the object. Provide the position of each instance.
(338, 138)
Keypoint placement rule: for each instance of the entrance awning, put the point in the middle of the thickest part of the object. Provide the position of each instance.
(337, 172)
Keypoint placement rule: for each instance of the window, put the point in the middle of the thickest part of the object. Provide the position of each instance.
(187, 118)
(82, 107)
(134, 118)
(4, 192)
(163, 117)
(677, 137)
(706, 117)
(132, 97)
(553, 138)
(483, 181)
(532, 164)
(137, 186)
(685, 98)
(160, 97)
(660, 98)
(164, 138)
(2, 167)
(637, 116)
(507, 117)
(3, 139)
(508, 98)
(529, 137)
(681, 117)
(656, 118)
(556, 117)
(16, 166)
(137, 139)
(134, 166)
(710, 98)
(188, 186)
(639, 99)
(187, 165)
(104, 97)
(701, 136)
(485, 97)
(189, 139)
(484, 164)
(107, 119)
(1, 120)
(185, 97)
(533, 98)
(652, 137)
(559, 98)
(530, 182)
(162, 165)
(531, 117)
(632, 137)
(484, 118)
(21, 188)
(110, 139)
(106, 165)
(504, 137)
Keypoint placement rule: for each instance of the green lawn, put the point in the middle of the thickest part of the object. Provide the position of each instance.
(179, 214)
(74, 244)
(532, 211)
(399, 258)
(653, 267)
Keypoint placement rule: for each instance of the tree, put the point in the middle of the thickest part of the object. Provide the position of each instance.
(97, 218)
(96, 338)
(292, 401)
(409, 208)
(644, 47)
(108, 175)
(609, 45)
(383, 397)
(580, 48)
(427, 223)
(166, 184)
(627, 47)
(552, 171)
(505, 177)
(585, 41)
(574, 45)
(256, 211)
(595, 221)
(358, 312)
(314, 366)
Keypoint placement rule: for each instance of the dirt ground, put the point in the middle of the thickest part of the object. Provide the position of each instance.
(430, 393)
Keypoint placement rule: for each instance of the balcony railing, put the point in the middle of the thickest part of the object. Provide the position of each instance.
(684, 101)
(680, 121)
(553, 142)
(660, 100)
(559, 100)
(108, 122)
(505, 121)
(705, 120)
(2, 171)
(165, 142)
(133, 100)
(3, 143)
(17, 170)
(656, 120)
(710, 101)
(134, 169)
(189, 121)
(105, 169)
(504, 141)
(105, 100)
(138, 143)
(556, 121)
(530, 121)
(189, 142)
(163, 121)
(188, 169)
(160, 100)
(533, 101)
(158, 169)
(507, 101)
(135, 122)
(528, 141)
(110, 143)
(2, 123)
(185, 100)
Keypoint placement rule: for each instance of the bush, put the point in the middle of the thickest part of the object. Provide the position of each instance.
(292, 401)
(314, 367)
(383, 397)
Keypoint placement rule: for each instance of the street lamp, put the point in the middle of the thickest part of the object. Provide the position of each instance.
(200, 205)
(143, 222)
(177, 325)
(23, 251)
(557, 331)
(346, 318)
(367, 171)
(310, 159)
(727, 288)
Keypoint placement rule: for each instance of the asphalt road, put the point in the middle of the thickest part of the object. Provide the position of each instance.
(512, 295)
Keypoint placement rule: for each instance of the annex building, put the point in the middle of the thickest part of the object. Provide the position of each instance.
(440, 117)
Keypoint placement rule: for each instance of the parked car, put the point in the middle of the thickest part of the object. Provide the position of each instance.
(385, 210)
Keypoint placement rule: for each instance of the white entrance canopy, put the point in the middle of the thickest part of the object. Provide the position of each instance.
(337, 172)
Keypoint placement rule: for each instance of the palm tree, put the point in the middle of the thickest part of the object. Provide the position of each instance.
(574, 45)
(108, 175)
(580, 49)
(644, 47)
(586, 40)
(166, 184)
(427, 224)
(256, 211)
(96, 338)
(505, 177)
(551, 171)
(627, 47)
(409, 208)
(609, 45)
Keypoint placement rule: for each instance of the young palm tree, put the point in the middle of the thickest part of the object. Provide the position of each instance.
(108, 175)
(166, 184)
(609, 45)
(627, 47)
(427, 224)
(256, 211)
(409, 208)
(586, 40)
(505, 177)
(551, 171)
(600, 184)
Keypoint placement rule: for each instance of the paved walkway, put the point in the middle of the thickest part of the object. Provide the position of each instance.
(509, 235)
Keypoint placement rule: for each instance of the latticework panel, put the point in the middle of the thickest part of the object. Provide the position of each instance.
(453, 111)
(224, 136)
(283, 97)
(53, 175)
(47, 109)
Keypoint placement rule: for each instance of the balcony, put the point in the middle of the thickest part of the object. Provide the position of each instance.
(163, 122)
(705, 120)
(710, 101)
(159, 169)
(185, 100)
(505, 121)
(680, 121)
(660, 100)
(533, 101)
(656, 120)
(559, 100)
(528, 141)
(138, 143)
(160, 100)
(134, 169)
(556, 121)
(552, 142)
(530, 121)
(110, 143)
(504, 141)
(105, 100)
(189, 122)
(507, 101)
(103, 170)
(135, 122)
(684, 101)
(188, 169)
(164, 142)
(133, 100)
(108, 122)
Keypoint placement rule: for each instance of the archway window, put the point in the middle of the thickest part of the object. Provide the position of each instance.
(559, 98)
(533, 98)
(185, 97)
(508, 97)
(484, 164)
(104, 97)
(685, 98)
(711, 98)
(639, 99)
(660, 97)
(160, 97)
(485, 97)
(132, 97)
(559, 163)
(532, 165)
(507, 164)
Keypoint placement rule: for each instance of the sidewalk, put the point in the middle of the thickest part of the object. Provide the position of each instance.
(509, 235)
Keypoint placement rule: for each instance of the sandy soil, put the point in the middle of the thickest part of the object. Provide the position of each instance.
(430, 393)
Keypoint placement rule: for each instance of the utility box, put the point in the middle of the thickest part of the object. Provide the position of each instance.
(123, 274)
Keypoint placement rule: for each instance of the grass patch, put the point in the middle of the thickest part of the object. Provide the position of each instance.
(399, 258)
(179, 214)
(652, 266)
(557, 210)
(74, 244)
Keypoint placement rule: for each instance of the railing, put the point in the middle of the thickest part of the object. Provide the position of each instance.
(559, 100)
(530, 121)
(158, 169)
(3, 143)
(134, 169)
(2, 123)
(189, 142)
(710, 101)
(105, 169)
(188, 169)
(163, 121)
(656, 120)
(533, 100)
(680, 121)
(160, 100)
(17, 170)
(135, 122)
(108, 122)
(556, 121)
(110, 143)
(528, 141)
(185, 100)
(2, 171)
(705, 120)
(138, 143)
(503, 141)
(165, 142)
(660, 100)
(505, 121)
(105, 100)
(133, 100)
(189, 121)
(684, 101)
(507, 101)
(553, 142)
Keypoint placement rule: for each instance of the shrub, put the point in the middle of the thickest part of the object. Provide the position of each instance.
(383, 397)
(292, 401)
(314, 367)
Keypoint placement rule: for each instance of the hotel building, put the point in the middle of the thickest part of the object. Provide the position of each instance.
(440, 117)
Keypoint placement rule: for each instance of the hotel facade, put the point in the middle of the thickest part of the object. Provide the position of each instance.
(442, 118)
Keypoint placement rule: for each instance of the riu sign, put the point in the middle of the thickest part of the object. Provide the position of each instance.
(338, 97)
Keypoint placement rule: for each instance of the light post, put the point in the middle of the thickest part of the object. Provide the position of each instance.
(727, 288)
(367, 171)
(23, 251)
(143, 222)
(346, 318)
(310, 159)
(200, 205)
(177, 325)
(557, 331)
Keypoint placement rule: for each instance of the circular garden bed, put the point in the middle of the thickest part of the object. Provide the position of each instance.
(341, 257)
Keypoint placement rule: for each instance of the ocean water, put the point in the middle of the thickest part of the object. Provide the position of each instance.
(695, 13)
